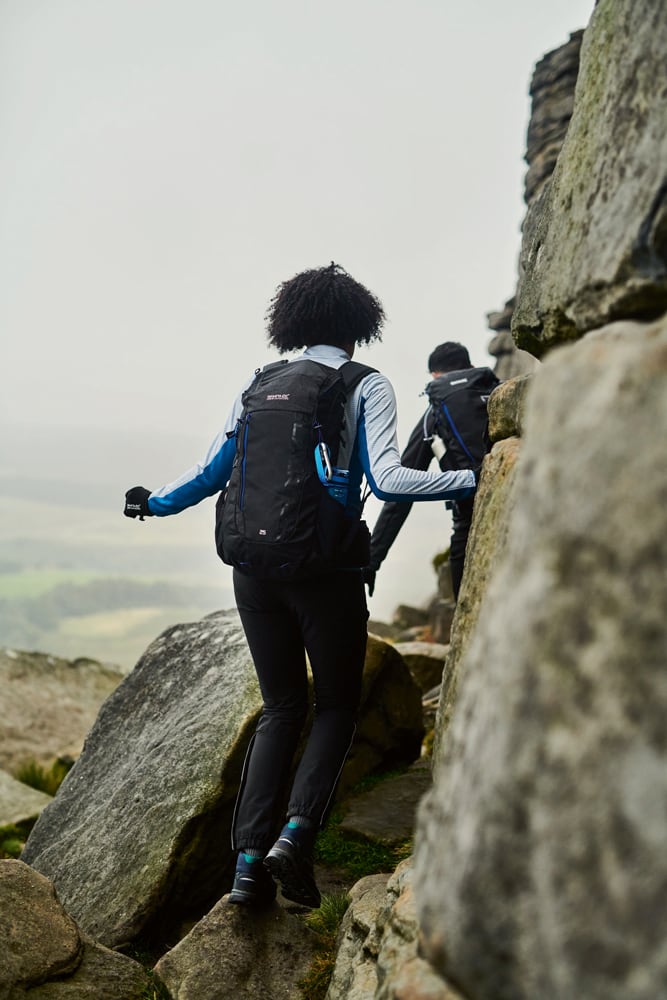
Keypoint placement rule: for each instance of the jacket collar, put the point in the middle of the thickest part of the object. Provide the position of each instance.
(322, 351)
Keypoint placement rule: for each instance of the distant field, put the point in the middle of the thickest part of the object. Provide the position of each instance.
(114, 624)
(76, 577)
(118, 637)
(33, 583)
(36, 582)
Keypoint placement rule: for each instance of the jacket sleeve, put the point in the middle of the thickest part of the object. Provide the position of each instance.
(417, 454)
(380, 459)
(207, 477)
(202, 480)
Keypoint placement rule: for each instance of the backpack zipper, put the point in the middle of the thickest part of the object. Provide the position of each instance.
(243, 460)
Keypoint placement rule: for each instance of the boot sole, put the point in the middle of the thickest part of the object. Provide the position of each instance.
(293, 887)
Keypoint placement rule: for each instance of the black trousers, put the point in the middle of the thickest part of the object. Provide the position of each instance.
(461, 521)
(327, 618)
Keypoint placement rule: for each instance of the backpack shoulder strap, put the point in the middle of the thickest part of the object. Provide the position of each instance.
(273, 366)
(352, 372)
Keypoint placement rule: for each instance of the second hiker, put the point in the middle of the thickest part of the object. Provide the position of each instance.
(456, 420)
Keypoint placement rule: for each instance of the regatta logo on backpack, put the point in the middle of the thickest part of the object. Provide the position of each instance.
(458, 408)
(276, 519)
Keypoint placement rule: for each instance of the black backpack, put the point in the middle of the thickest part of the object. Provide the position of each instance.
(458, 404)
(277, 519)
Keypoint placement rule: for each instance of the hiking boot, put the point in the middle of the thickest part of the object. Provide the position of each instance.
(290, 861)
(253, 885)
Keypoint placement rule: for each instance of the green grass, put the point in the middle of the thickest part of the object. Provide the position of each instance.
(376, 778)
(44, 779)
(325, 922)
(154, 989)
(13, 838)
(355, 855)
(12, 841)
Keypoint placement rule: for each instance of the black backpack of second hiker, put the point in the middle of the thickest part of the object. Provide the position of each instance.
(276, 519)
(458, 403)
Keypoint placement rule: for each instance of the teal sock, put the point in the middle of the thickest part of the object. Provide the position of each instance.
(252, 856)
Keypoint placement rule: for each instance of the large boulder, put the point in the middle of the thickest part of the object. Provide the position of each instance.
(594, 245)
(385, 813)
(48, 705)
(19, 803)
(240, 953)
(43, 954)
(138, 834)
(390, 728)
(541, 851)
(425, 661)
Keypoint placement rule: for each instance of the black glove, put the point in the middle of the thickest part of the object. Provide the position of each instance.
(369, 579)
(136, 503)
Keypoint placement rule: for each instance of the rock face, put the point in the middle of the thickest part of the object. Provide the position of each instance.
(594, 246)
(47, 705)
(127, 839)
(541, 857)
(44, 956)
(540, 851)
(240, 953)
(552, 103)
(486, 546)
(378, 945)
(355, 973)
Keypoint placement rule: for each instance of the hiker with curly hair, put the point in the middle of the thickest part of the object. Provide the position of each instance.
(288, 465)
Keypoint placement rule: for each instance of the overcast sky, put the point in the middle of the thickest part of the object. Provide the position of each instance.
(164, 165)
